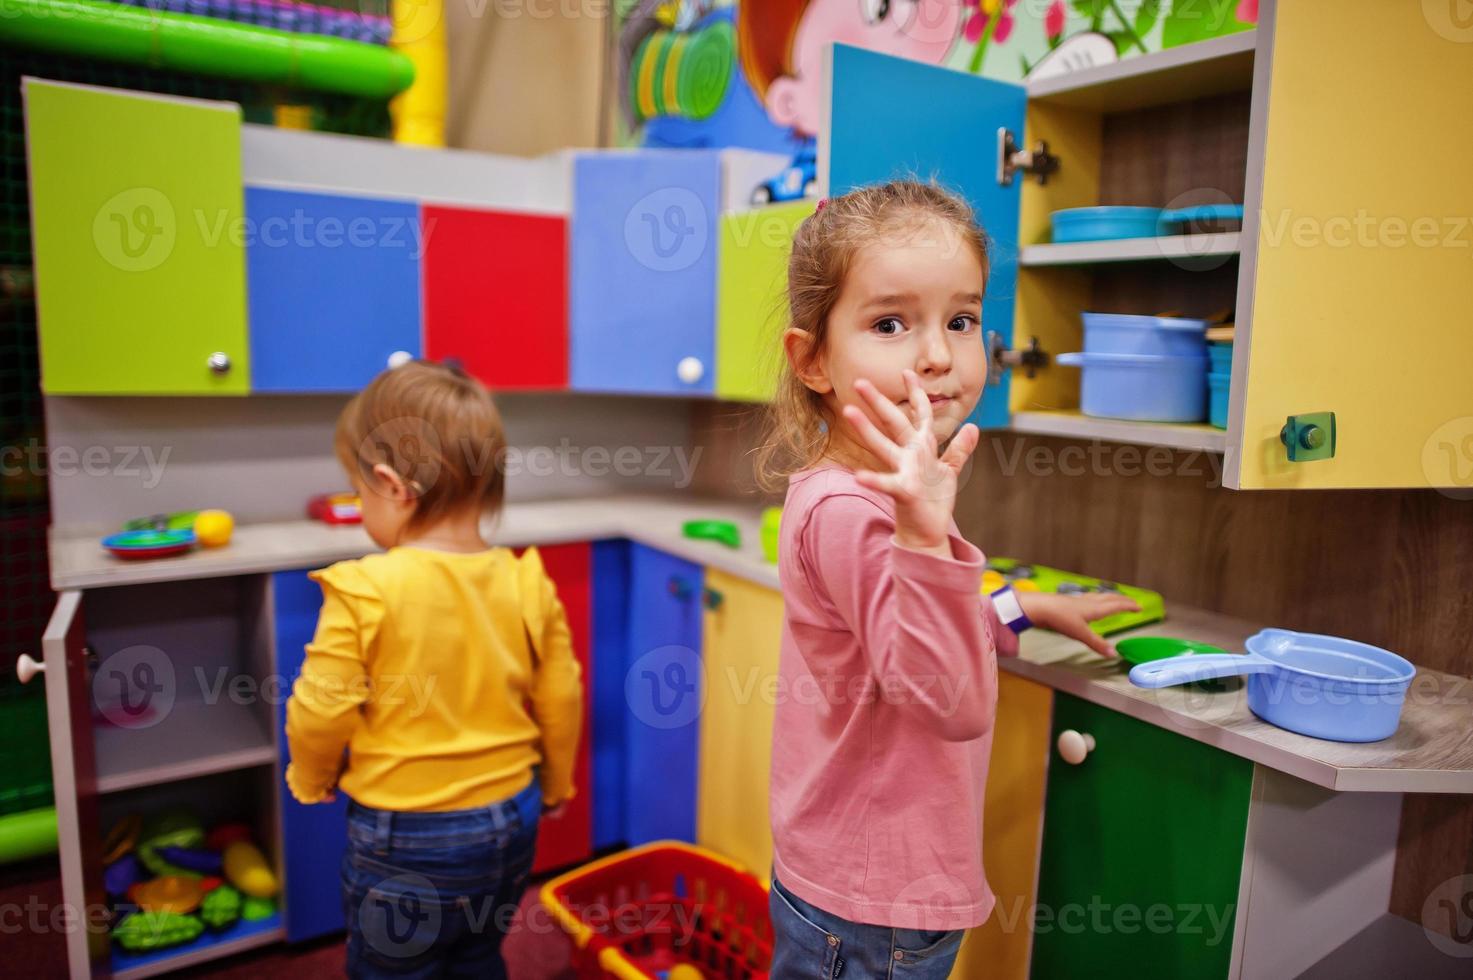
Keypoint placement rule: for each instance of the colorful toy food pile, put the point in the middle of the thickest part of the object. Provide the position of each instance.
(170, 881)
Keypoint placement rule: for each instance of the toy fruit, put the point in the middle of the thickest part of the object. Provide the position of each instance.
(122, 875)
(197, 859)
(221, 907)
(684, 971)
(255, 909)
(227, 833)
(246, 869)
(156, 930)
(170, 893)
(172, 828)
(212, 528)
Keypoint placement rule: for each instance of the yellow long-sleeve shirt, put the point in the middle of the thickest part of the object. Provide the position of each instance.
(447, 677)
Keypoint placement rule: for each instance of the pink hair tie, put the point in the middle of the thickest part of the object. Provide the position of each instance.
(821, 202)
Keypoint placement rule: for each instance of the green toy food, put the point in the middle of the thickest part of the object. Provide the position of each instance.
(221, 907)
(144, 931)
(172, 828)
(246, 869)
(255, 909)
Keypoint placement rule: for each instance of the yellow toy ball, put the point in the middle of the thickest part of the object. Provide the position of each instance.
(212, 528)
(684, 971)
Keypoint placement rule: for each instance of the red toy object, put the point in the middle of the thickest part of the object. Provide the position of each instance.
(227, 833)
(653, 908)
(336, 508)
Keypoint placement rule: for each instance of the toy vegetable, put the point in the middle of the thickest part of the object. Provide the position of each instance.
(172, 828)
(122, 874)
(196, 859)
(170, 893)
(256, 909)
(143, 931)
(246, 869)
(220, 908)
(226, 834)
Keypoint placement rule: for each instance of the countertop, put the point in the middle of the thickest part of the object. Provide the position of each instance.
(1432, 752)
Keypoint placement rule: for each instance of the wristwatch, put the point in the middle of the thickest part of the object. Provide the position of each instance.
(1010, 610)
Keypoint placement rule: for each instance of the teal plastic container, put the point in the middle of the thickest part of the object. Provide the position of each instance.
(1218, 386)
(1220, 357)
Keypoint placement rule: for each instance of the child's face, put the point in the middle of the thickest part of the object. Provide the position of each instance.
(914, 301)
(387, 505)
(920, 30)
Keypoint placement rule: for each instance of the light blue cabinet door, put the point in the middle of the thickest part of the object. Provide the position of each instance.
(893, 118)
(333, 285)
(642, 315)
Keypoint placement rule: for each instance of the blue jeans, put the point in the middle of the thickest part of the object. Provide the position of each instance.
(809, 942)
(432, 894)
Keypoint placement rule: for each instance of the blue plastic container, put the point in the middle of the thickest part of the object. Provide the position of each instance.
(1125, 333)
(1218, 387)
(1322, 686)
(1221, 356)
(1113, 222)
(1141, 387)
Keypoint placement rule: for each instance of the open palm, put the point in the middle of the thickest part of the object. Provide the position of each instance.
(922, 480)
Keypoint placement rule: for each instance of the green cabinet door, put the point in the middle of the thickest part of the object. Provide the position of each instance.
(1142, 849)
(137, 219)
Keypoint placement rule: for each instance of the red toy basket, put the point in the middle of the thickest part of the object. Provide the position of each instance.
(639, 913)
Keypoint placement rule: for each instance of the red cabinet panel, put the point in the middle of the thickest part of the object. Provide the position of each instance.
(496, 294)
(569, 839)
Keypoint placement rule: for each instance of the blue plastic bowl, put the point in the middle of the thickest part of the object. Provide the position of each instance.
(1221, 356)
(1141, 387)
(1218, 387)
(1105, 224)
(1124, 333)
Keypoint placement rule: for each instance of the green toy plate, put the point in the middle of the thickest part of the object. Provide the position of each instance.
(1144, 649)
(723, 531)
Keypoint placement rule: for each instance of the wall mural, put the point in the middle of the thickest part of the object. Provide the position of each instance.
(746, 73)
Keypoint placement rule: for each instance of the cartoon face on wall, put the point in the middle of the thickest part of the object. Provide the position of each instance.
(782, 42)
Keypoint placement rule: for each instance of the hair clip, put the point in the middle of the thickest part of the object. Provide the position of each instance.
(821, 202)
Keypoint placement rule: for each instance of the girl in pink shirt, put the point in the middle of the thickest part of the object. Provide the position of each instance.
(889, 650)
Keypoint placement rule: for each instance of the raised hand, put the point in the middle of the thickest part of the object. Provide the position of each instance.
(922, 480)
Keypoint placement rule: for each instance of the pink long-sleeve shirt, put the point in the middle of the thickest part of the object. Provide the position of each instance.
(883, 726)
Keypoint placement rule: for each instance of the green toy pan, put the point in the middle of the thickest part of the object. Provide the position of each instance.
(1144, 649)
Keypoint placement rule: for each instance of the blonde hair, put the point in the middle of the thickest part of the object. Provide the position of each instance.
(823, 251)
(437, 428)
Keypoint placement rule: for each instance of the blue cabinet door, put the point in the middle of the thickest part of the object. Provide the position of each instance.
(313, 837)
(333, 287)
(891, 118)
(664, 691)
(643, 271)
(610, 712)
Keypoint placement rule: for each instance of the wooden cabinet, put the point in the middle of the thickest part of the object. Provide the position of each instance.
(742, 635)
(1356, 294)
(643, 271)
(1142, 852)
(664, 690)
(140, 268)
(496, 294)
(334, 284)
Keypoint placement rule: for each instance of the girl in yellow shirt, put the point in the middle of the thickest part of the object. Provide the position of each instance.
(440, 692)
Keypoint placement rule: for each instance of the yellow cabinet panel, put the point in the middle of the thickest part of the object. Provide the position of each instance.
(1011, 828)
(1363, 291)
(751, 298)
(739, 651)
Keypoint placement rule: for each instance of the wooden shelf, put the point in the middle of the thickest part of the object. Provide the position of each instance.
(192, 739)
(1222, 64)
(1163, 248)
(1074, 425)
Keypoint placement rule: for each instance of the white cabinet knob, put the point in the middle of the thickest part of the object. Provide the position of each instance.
(690, 370)
(400, 358)
(26, 667)
(219, 362)
(1074, 747)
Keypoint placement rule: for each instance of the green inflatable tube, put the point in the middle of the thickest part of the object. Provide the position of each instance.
(28, 834)
(205, 46)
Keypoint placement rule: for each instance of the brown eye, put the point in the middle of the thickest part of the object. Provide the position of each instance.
(889, 327)
(963, 323)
